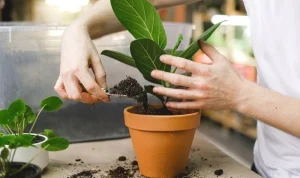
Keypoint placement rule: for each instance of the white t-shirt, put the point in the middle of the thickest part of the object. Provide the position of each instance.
(275, 30)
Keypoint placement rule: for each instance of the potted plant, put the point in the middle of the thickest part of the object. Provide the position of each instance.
(8, 145)
(161, 138)
(19, 118)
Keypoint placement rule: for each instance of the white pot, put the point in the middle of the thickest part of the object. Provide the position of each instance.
(25, 154)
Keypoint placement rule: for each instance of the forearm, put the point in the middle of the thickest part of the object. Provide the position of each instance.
(100, 20)
(271, 108)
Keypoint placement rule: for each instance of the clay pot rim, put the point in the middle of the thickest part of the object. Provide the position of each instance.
(161, 123)
(127, 109)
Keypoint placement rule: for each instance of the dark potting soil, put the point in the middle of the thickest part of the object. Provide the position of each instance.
(122, 158)
(218, 172)
(133, 89)
(121, 172)
(83, 174)
(38, 139)
(28, 172)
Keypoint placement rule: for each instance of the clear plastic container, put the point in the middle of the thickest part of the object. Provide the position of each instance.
(29, 67)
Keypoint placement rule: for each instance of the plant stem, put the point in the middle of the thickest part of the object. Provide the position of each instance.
(174, 70)
(23, 167)
(13, 155)
(7, 129)
(36, 118)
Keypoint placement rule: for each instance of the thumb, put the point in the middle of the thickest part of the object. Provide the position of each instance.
(209, 50)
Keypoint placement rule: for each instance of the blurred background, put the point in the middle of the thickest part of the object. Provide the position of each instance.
(233, 132)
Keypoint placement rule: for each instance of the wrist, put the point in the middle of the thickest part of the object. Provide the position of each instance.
(243, 95)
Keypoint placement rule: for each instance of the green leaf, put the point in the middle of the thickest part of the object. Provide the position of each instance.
(180, 38)
(141, 19)
(169, 51)
(24, 140)
(4, 153)
(56, 144)
(146, 54)
(29, 115)
(49, 133)
(194, 47)
(149, 89)
(119, 57)
(4, 117)
(51, 104)
(6, 139)
(16, 108)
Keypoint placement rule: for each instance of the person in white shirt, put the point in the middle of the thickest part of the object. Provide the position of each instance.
(274, 101)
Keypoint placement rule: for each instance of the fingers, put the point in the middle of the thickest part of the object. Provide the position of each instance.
(99, 72)
(91, 86)
(88, 98)
(176, 93)
(210, 51)
(175, 79)
(60, 89)
(72, 87)
(184, 105)
(180, 63)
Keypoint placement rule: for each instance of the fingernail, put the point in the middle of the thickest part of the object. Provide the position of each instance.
(163, 57)
(200, 43)
(155, 89)
(106, 100)
(153, 73)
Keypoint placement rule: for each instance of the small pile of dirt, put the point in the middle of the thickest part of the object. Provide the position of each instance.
(121, 172)
(133, 89)
(83, 174)
(122, 158)
(218, 172)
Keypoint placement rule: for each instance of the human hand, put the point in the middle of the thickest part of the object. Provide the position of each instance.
(78, 54)
(212, 85)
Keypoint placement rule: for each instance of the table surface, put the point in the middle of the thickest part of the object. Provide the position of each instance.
(205, 158)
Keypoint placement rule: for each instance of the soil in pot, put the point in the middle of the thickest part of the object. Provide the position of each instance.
(133, 89)
(37, 139)
(31, 171)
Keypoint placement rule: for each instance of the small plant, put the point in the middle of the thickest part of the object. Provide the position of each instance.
(19, 116)
(141, 19)
(8, 146)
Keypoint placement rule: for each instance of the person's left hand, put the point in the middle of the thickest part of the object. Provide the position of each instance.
(215, 85)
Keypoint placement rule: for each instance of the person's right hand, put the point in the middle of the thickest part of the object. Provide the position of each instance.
(78, 54)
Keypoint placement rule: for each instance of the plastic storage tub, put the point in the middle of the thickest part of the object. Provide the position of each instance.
(29, 67)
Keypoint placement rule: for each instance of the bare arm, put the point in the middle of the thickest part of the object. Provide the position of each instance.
(78, 52)
(100, 19)
(273, 108)
(216, 85)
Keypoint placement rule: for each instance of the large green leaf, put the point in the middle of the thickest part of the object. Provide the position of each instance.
(141, 19)
(146, 54)
(29, 115)
(55, 144)
(6, 139)
(49, 133)
(52, 103)
(16, 108)
(4, 117)
(24, 140)
(180, 38)
(149, 89)
(119, 57)
(194, 47)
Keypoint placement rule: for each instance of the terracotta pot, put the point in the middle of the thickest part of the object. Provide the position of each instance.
(162, 143)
